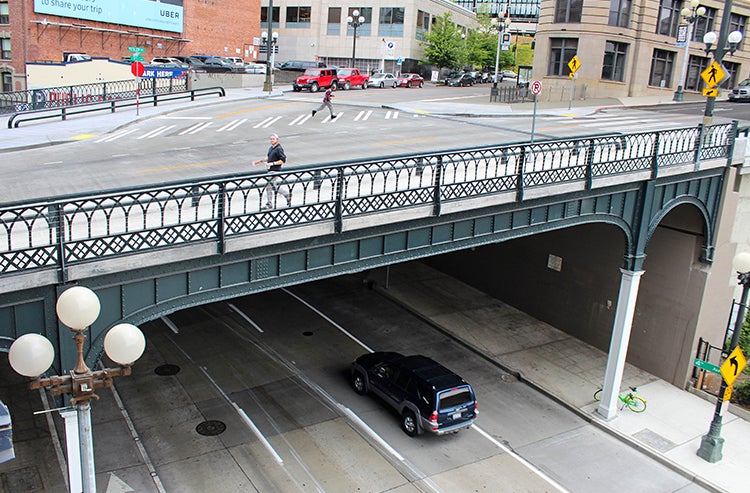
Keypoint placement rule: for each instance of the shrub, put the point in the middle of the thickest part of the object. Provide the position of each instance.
(741, 393)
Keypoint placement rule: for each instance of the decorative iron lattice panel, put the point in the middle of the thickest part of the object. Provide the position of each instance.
(108, 224)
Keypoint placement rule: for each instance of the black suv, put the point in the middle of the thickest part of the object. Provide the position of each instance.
(427, 395)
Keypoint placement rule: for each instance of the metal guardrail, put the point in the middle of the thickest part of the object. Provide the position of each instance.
(509, 94)
(111, 105)
(72, 95)
(83, 228)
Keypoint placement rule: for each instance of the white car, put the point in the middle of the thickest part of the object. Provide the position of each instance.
(255, 68)
(382, 80)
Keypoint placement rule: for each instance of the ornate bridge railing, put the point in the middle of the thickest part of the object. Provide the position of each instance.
(83, 228)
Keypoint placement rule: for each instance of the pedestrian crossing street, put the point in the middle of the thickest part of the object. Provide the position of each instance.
(209, 124)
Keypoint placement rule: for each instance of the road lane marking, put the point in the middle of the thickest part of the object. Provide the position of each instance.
(264, 107)
(113, 137)
(83, 136)
(330, 120)
(258, 125)
(390, 114)
(185, 117)
(245, 317)
(195, 128)
(155, 132)
(231, 125)
(271, 122)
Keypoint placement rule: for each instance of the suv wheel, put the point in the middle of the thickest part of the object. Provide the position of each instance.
(334, 85)
(421, 84)
(347, 85)
(314, 87)
(358, 383)
(409, 423)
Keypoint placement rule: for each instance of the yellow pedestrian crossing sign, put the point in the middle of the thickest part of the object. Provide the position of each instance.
(574, 64)
(733, 366)
(714, 74)
(711, 92)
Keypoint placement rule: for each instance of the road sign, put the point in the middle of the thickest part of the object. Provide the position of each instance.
(714, 74)
(137, 68)
(703, 365)
(536, 87)
(136, 49)
(711, 92)
(733, 366)
(399, 61)
(574, 64)
(136, 58)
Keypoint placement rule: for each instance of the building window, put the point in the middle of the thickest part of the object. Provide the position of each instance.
(5, 49)
(613, 67)
(619, 13)
(4, 15)
(561, 51)
(264, 17)
(661, 68)
(334, 21)
(391, 22)
(703, 24)
(737, 23)
(696, 65)
(568, 10)
(7, 82)
(366, 28)
(298, 17)
(423, 24)
(669, 17)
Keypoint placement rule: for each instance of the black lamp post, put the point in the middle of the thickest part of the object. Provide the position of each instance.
(270, 42)
(690, 14)
(501, 26)
(727, 42)
(355, 21)
(712, 442)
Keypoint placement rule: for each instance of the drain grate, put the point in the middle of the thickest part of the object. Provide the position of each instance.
(167, 370)
(211, 428)
(24, 480)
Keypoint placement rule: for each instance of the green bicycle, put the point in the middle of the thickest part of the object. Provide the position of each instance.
(635, 403)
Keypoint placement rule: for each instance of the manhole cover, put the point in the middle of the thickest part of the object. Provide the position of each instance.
(211, 428)
(166, 370)
(307, 333)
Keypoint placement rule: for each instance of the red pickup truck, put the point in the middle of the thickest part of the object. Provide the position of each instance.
(352, 77)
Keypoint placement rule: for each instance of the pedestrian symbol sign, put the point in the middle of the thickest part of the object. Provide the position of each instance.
(574, 64)
(733, 366)
(714, 74)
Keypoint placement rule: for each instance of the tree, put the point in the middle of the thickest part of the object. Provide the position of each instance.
(443, 43)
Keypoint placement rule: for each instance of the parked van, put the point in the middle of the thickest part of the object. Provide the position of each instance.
(300, 65)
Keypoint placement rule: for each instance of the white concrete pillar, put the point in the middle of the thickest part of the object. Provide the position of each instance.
(73, 448)
(618, 345)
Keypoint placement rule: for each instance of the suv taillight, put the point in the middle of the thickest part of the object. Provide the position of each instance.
(434, 420)
(476, 408)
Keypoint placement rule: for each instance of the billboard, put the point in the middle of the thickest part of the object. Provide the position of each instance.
(164, 15)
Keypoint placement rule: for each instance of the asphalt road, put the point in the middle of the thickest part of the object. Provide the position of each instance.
(281, 359)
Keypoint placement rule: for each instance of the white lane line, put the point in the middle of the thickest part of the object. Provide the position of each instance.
(170, 324)
(185, 117)
(294, 122)
(273, 120)
(231, 125)
(306, 117)
(194, 128)
(245, 317)
(328, 319)
(155, 132)
(53, 162)
(111, 138)
(258, 125)
(520, 459)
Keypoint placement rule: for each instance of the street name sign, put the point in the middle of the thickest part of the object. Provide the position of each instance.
(136, 49)
(704, 365)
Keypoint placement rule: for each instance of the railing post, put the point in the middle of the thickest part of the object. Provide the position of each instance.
(436, 187)
(62, 266)
(698, 146)
(519, 173)
(339, 213)
(655, 156)
(221, 205)
(104, 91)
(732, 140)
(590, 164)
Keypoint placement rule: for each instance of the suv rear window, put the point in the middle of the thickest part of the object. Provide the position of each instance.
(454, 398)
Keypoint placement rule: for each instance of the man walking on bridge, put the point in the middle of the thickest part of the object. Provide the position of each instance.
(275, 159)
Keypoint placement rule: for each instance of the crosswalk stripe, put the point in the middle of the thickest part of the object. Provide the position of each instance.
(391, 114)
(271, 122)
(112, 138)
(333, 120)
(155, 132)
(296, 120)
(231, 125)
(195, 128)
(258, 125)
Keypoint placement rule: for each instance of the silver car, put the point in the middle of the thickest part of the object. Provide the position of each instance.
(741, 92)
(382, 80)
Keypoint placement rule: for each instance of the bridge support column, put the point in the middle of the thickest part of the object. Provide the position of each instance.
(618, 346)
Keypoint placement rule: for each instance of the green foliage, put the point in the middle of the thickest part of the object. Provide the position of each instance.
(741, 393)
(443, 43)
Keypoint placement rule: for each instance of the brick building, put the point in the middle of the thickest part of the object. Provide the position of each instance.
(41, 31)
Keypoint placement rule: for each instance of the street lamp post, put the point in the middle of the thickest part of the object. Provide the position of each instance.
(270, 43)
(501, 27)
(31, 355)
(355, 21)
(712, 442)
(690, 14)
(726, 42)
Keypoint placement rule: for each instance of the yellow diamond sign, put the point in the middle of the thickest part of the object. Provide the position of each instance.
(574, 64)
(733, 366)
(714, 74)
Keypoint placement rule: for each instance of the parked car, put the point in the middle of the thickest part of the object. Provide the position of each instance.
(255, 68)
(741, 92)
(381, 80)
(427, 395)
(300, 65)
(410, 80)
(352, 77)
(235, 60)
(315, 78)
(167, 60)
(216, 64)
(477, 76)
(509, 74)
(460, 80)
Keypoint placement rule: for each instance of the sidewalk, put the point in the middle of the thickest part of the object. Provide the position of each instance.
(569, 371)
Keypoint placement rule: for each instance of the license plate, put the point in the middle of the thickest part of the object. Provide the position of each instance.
(456, 416)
